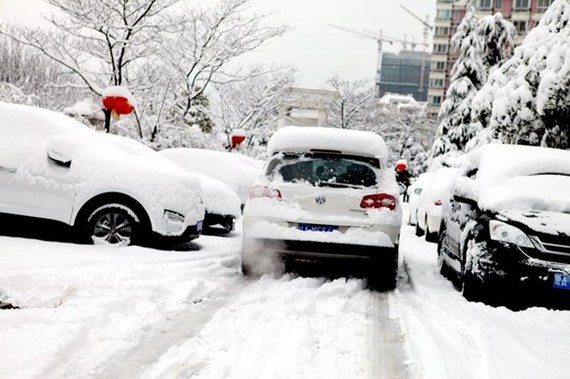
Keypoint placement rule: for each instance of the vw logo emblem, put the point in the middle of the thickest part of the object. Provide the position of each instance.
(320, 199)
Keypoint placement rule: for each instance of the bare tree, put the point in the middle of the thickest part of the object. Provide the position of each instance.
(351, 107)
(252, 104)
(209, 38)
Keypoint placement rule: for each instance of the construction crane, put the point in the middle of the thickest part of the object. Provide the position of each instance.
(380, 39)
(427, 28)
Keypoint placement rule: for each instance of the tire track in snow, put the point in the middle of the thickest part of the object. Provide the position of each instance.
(387, 359)
(173, 332)
(451, 344)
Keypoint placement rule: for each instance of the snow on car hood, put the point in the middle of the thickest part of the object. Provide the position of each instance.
(554, 223)
(107, 162)
(219, 198)
(236, 170)
(545, 192)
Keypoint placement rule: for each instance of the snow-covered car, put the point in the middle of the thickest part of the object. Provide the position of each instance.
(414, 191)
(506, 227)
(325, 194)
(434, 193)
(111, 189)
(236, 170)
(222, 204)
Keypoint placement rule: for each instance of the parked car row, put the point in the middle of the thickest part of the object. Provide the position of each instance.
(110, 189)
(501, 221)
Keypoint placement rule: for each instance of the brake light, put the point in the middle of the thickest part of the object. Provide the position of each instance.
(437, 202)
(264, 191)
(380, 200)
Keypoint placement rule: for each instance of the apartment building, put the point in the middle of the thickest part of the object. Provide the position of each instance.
(524, 14)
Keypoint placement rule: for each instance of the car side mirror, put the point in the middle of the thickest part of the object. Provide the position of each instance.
(60, 150)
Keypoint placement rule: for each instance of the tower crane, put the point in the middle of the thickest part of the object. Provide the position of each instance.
(427, 28)
(380, 38)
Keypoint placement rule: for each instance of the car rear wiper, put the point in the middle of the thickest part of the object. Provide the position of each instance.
(337, 185)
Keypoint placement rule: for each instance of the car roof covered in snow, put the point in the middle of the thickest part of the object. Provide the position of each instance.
(298, 139)
(496, 162)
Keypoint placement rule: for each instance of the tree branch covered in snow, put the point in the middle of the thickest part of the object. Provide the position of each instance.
(351, 107)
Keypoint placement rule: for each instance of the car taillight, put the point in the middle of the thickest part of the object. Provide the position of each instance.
(437, 202)
(381, 200)
(264, 191)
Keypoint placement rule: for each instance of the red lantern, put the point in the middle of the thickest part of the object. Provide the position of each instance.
(237, 137)
(401, 165)
(118, 100)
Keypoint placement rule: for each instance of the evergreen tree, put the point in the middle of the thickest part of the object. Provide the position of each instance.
(483, 45)
(467, 76)
(527, 100)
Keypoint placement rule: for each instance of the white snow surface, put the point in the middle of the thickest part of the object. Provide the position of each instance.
(236, 170)
(106, 312)
(305, 138)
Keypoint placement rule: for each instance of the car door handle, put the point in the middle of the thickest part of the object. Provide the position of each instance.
(8, 169)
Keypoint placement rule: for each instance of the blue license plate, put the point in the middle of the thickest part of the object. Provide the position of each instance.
(561, 281)
(317, 228)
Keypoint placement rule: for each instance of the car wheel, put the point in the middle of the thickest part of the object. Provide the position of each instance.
(442, 266)
(430, 236)
(113, 224)
(473, 287)
(384, 275)
(419, 231)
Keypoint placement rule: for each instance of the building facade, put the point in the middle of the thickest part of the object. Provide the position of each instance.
(524, 14)
(405, 73)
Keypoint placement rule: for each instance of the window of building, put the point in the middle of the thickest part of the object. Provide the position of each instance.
(521, 5)
(439, 48)
(484, 5)
(498, 4)
(436, 83)
(443, 14)
(441, 31)
(435, 100)
(437, 66)
(520, 26)
(543, 5)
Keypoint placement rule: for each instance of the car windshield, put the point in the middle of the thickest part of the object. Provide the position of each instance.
(322, 170)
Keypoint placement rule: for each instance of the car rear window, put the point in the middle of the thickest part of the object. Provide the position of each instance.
(322, 170)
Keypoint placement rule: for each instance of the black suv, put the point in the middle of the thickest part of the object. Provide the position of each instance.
(506, 226)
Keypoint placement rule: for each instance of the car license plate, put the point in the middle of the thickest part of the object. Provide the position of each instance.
(317, 228)
(561, 281)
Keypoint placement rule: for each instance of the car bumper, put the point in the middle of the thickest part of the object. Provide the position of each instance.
(374, 235)
(516, 270)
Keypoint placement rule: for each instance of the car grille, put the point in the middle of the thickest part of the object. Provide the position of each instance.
(553, 248)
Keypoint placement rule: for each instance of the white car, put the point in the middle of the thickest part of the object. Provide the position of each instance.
(111, 189)
(434, 194)
(414, 191)
(326, 194)
(236, 170)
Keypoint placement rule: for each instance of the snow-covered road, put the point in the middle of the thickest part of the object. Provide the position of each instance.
(100, 312)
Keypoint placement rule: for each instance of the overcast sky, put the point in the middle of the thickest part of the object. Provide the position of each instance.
(318, 50)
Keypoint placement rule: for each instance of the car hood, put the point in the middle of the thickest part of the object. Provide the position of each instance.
(548, 222)
(545, 192)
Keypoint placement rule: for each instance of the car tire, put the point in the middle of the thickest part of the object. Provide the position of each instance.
(113, 224)
(384, 275)
(473, 287)
(430, 236)
(419, 231)
(442, 266)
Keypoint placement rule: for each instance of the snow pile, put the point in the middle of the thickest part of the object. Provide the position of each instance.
(85, 108)
(304, 139)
